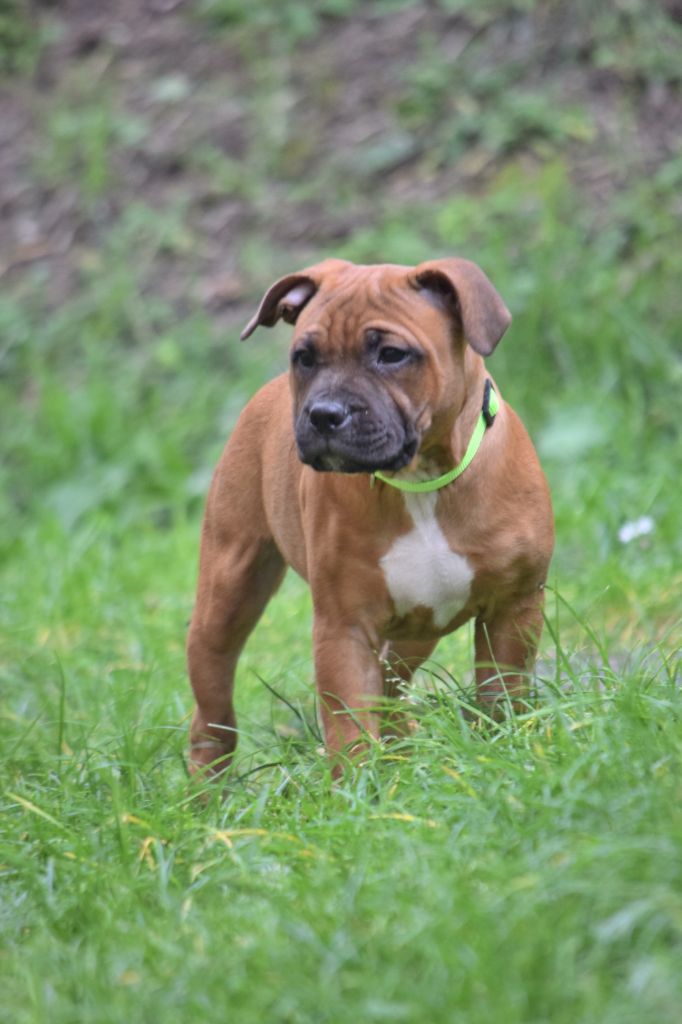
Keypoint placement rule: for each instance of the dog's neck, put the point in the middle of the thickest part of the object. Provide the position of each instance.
(425, 475)
(445, 443)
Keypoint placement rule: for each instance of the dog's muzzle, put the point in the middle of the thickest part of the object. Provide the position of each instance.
(342, 434)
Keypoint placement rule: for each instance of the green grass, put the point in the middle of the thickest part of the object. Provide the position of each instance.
(527, 872)
(531, 873)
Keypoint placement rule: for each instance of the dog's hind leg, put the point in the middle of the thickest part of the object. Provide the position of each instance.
(238, 574)
(506, 646)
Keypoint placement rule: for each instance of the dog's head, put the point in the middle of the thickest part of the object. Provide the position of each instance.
(379, 355)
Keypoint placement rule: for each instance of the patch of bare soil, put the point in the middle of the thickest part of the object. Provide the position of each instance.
(179, 97)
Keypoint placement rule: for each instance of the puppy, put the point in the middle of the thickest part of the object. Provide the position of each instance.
(389, 472)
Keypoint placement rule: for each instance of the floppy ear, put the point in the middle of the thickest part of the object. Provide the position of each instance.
(464, 288)
(286, 298)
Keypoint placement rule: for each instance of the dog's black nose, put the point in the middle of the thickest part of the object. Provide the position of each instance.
(327, 416)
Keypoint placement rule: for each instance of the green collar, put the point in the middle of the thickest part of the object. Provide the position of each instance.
(489, 410)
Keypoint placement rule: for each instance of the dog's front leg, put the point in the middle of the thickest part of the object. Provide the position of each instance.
(349, 684)
(236, 579)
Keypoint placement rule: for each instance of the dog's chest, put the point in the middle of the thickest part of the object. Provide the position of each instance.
(422, 570)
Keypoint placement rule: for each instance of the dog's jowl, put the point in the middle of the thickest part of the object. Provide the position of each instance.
(389, 472)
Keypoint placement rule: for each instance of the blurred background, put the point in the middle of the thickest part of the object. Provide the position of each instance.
(161, 162)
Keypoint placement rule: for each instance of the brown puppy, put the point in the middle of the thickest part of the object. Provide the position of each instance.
(386, 376)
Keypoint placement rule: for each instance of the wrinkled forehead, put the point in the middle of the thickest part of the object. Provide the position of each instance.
(354, 298)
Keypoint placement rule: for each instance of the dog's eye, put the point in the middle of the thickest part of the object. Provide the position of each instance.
(303, 357)
(389, 355)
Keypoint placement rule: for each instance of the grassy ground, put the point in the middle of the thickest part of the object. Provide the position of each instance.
(526, 873)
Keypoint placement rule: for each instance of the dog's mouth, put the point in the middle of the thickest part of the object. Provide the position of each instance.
(334, 461)
(354, 431)
(354, 442)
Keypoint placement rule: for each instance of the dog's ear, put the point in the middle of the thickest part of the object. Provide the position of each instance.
(463, 289)
(285, 299)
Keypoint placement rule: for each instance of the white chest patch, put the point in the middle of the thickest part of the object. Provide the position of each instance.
(420, 568)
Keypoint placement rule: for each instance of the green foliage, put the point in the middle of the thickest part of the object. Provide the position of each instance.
(19, 40)
(521, 872)
(525, 872)
(501, 122)
(297, 21)
(515, 873)
(470, 99)
(285, 24)
(637, 40)
(142, 437)
(83, 132)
